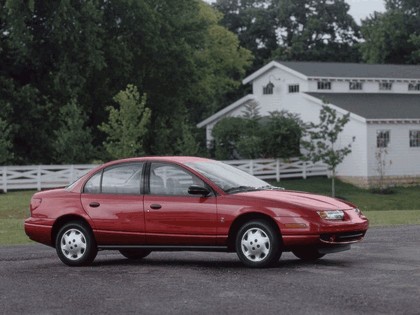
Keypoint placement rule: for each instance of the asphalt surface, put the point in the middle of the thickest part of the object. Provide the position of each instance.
(380, 275)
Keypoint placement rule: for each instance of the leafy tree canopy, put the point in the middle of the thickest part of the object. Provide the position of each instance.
(73, 140)
(393, 36)
(127, 125)
(307, 30)
(275, 136)
(53, 52)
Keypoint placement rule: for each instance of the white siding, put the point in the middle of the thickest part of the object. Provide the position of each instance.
(405, 160)
(355, 164)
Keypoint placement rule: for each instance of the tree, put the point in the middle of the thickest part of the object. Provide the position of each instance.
(222, 63)
(393, 36)
(227, 133)
(281, 134)
(322, 144)
(5, 143)
(187, 144)
(306, 30)
(55, 51)
(127, 125)
(73, 140)
(252, 136)
(382, 163)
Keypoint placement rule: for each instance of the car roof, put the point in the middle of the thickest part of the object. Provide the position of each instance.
(178, 159)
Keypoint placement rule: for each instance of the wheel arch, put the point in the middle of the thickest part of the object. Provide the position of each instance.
(246, 217)
(61, 221)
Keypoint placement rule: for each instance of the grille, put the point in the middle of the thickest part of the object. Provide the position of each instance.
(343, 238)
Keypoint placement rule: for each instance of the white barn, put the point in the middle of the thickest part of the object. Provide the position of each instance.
(384, 102)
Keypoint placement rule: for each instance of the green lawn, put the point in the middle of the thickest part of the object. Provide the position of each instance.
(404, 198)
(14, 208)
(402, 207)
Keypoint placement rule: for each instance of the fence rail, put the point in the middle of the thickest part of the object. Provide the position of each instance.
(51, 176)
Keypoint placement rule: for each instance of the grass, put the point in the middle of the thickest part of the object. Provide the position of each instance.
(400, 208)
(404, 198)
(14, 208)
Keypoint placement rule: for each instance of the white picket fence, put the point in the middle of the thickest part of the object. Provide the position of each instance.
(51, 176)
(279, 168)
(40, 176)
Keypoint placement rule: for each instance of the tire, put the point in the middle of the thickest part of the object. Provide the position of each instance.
(307, 254)
(135, 253)
(75, 244)
(258, 244)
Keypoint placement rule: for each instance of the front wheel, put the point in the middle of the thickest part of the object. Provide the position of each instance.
(76, 245)
(308, 254)
(258, 244)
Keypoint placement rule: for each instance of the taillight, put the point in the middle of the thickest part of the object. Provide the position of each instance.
(35, 202)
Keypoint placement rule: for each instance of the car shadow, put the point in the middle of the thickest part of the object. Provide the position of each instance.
(232, 263)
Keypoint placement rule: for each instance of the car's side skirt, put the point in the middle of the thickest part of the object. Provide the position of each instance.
(166, 248)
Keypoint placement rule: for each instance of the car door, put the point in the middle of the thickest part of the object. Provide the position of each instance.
(113, 199)
(172, 215)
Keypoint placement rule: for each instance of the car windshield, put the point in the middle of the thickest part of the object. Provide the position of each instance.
(229, 178)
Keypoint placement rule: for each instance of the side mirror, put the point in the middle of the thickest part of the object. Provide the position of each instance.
(198, 190)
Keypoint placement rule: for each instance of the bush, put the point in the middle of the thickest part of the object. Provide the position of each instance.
(251, 137)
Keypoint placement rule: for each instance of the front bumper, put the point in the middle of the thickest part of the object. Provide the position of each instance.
(299, 231)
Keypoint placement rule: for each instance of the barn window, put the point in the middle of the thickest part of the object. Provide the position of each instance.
(414, 86)
(382, 138)
(268, 89)
(355, 85)
(324, 85)
(385, 86)
(414, 138)
(294, 88)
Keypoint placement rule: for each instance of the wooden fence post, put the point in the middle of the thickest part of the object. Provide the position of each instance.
(278, 170)
(71, 174)
(4, 178)
(251, 167)
(304, 169)
(38, 178)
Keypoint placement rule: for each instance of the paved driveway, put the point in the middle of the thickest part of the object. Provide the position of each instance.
(381, 275)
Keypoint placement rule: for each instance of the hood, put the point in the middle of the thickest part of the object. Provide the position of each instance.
(299, 199)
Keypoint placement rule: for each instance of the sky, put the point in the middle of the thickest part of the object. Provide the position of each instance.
(361, 9)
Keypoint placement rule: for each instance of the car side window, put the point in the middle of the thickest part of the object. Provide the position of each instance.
(172, 180)
(120, 179)
(93, 186)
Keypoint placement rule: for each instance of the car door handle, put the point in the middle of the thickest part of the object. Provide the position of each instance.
(94, 204)
(155, 206)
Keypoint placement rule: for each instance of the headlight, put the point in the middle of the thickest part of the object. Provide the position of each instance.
(331, 214)
(357, 210)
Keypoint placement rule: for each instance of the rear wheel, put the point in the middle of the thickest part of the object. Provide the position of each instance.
(75, 244)
(308, 254)
(135, 253)
(258, 244)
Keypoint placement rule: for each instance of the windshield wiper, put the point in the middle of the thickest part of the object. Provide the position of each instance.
(270, 187)
(240, 189)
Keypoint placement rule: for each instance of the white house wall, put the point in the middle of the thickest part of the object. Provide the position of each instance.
(405, 159)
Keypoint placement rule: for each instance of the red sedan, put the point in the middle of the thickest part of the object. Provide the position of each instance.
(140, 205)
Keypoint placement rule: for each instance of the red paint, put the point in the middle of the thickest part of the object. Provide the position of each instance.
(186, 220)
